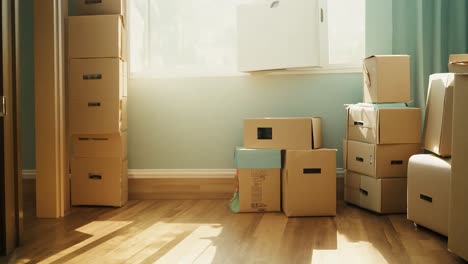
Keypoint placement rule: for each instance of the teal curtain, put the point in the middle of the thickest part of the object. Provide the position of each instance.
(429, 30)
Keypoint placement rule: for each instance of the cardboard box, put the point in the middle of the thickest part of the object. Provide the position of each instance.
(96, 37)
(100, 145)
(98, 117)
(386, 79)
(380, 161)
(378, 195)
(259, 179)
(98, 79)
(384, 125)
(458, 231)
(429, 191)
(309, 182)
(458, 63)
(99, 181)
(100, 7)
(437, 134)
(283, 133)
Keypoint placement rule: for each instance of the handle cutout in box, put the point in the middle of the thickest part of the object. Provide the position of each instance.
(90, 2)
(359, 159)
(94, 104)
(366, 193)
(92, 139)
(358, 123)
(96, 76)
(312, 171)
(396, 162)
(264, 133)
(94, 176)
(425, 198)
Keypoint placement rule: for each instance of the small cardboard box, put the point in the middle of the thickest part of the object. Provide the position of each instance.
(100, 145)
(259, 178)
(100, 7)
(98, 117)
(386, 79)
(283, 133)
(437, 135)
(372, 124)
(309, 182)
(458, 63)
(380, 161)
(429, 191)
(99, 181)
(96, 37)
(98, 79)
(378, 195)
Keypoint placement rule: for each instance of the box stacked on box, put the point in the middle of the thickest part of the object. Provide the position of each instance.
(98, 103)
(283, 164)
(381, 135)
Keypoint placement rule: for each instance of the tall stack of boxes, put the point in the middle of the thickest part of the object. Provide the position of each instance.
(98, 103)
(381, 135)
(282, 167)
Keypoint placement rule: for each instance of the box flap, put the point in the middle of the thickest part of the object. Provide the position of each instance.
(316, 133)
(458, 63)
(257, 158)
(458, 58)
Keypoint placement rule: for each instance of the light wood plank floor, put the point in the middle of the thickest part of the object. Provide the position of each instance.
(205, 231)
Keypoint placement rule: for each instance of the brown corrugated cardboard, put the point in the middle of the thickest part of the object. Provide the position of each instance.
(96, 37)
(438, 125)
(98, 117)
(99, 181)
(458, 219)
(259, 190)
(379, 195)
(429, 191)
(100, 7)
(98, 79)
(458, 63)
(386, 79)
(309, 182)
(283, 133)
(385, 125)
(380, 161)
(100, 145)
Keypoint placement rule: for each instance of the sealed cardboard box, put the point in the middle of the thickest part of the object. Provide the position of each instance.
(98, 117)
(429, 191)
(386, 79)
(458, 231)
(100, 145)
(283, 133)
(378, 195)
(372, 124)
(437, 134)
(98, 79)
(96, 37)
(100, 7)
(259, 178)
(380, 161)
(309, 182)
(99, 181)
(458, 63)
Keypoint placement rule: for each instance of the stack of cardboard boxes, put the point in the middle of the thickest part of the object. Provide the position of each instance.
(381, 135)
(98, 103)
(282, 167)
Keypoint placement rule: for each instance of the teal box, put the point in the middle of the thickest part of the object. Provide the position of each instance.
(257, 158)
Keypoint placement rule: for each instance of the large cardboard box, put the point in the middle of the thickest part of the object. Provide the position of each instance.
(372, 124)
(283, 133)
(458, 219)
(99, 181)
(96, 37)
(378, 195)
(437, 135)
(386, 79)
(380, 161)
(429, 191)
(100, 7)
(98, 79)
(100, 145)
(458, 63)
(98, 117)
(259, 179)
(309, 182)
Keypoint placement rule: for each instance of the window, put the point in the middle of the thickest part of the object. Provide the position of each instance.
(183, 38)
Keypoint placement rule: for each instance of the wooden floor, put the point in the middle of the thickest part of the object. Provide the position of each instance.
(205, 231)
